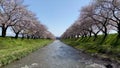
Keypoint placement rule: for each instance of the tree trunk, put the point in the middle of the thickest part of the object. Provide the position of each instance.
(90, 34)
(16, 36)
(28, 37)
(118, 30)
(95, 37)
(105, 33)
(23, 36)
(77, 36)
(4, 29)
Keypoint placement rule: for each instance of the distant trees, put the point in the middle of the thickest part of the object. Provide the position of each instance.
(22, 21)
(100, 16)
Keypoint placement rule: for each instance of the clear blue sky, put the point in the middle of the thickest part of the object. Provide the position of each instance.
(57, 15)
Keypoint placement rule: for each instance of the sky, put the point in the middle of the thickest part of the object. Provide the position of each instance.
(57, 15)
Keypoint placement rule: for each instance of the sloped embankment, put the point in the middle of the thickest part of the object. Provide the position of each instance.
(108, 49)
(14, 49)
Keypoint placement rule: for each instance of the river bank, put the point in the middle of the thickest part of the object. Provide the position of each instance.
(14, 49)
(107, 49)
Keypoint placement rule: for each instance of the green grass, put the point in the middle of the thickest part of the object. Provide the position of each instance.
(14, 49)
(110, 47)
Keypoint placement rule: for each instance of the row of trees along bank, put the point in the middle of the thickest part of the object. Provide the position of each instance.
(22, 21)
(100, 16)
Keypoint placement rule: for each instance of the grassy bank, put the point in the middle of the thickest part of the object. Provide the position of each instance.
(107, 49)
(14, 49)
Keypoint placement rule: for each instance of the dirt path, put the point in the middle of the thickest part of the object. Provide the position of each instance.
(58, 55)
